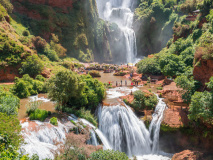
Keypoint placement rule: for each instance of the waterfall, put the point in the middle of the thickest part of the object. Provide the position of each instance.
(154, 128)
(126, 133)
(99, 133)
(119, 12)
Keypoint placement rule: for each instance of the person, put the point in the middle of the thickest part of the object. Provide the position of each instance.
(109, 82)
(116, 83)
(121, 82)
(127, 65)
(131, 92)
(125, 82)
(131, 84)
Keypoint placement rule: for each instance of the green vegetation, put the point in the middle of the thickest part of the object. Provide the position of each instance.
(143, 100)
(149, 66)
(26, 86)
(109, 154)
(94, 73)
(9, 103)
(74, 90)
(32, 66)
(190, 47)
(82, 113)
(39, 114)
(54, 121)
(11, 51)
(10, 137)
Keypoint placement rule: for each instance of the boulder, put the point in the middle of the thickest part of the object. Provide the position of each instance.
(188, 155)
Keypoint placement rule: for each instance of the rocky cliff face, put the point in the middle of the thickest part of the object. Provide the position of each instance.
(76, 22)
(203, 71)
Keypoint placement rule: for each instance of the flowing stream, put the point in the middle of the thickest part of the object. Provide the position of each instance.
(119, 12)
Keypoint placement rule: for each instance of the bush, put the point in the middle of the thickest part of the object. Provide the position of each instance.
(159, 88)
(54, 121)
(32, 66)
(39, 114)
(108, 154)
(26, 33)
(10, 137)
(9, 103)
(50, 53)
(94, 73)
(26, 86)
(144, 100)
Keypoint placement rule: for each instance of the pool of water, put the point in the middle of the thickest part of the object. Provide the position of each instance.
(45, 104)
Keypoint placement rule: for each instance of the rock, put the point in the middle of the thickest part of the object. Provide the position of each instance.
(204, 71)
(9, 73)
(188, 155)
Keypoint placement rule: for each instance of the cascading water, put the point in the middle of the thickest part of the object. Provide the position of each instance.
(119, 12)
(124, 130)
(42, 138)
(154, 128)
(126, 133)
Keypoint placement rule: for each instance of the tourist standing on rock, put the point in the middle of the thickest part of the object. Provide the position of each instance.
(116, 83)
(125, 82)
(121, 82)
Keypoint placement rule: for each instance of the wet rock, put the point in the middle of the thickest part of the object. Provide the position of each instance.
(188, 155)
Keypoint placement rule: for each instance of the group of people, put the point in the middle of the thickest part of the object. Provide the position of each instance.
(120, 84)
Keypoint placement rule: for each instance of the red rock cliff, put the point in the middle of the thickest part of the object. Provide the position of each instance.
(204, 71)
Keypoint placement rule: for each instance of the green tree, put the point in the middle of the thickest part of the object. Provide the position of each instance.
(65, 85)
(32, 66)
(149, 66)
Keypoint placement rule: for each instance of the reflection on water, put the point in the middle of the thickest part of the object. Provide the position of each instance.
(46, 104)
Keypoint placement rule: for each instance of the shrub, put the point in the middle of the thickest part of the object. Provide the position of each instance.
(39, 44)
(9, 103)
(94, 73)
(26, 33)
(50, 53)
(57, 47)
(159, 88)
(32, 66)
(54, 121)
(143, 100)
(108, 154)
(7, 5)
(26, 86)
(39, 114)
(10, 137)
